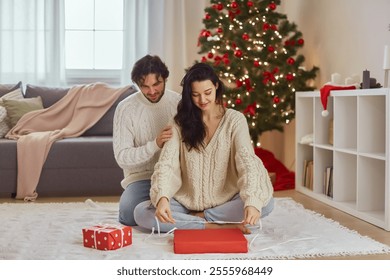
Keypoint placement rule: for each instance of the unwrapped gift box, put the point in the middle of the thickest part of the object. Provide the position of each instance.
(107, 237)
(195, 241)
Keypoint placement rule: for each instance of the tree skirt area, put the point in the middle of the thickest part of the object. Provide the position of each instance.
(284, 178)
(53, 231)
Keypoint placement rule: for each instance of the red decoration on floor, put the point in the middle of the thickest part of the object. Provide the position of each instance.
(107, 237)
(285, 179)
(199, 241)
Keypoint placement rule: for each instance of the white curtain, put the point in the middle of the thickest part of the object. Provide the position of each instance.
(167, 28)
(174, 26)
(135, 41)
(31, 40)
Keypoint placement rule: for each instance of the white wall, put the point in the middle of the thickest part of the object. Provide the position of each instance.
(343, 36)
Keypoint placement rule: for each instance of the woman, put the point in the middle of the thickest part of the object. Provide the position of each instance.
(208, 175)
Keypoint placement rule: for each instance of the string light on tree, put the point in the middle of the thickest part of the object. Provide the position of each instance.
(254, 49)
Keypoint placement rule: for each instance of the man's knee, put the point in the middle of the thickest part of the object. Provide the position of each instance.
(126, 216)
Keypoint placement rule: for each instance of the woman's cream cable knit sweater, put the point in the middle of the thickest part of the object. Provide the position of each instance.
(228, 165)
(137, 122)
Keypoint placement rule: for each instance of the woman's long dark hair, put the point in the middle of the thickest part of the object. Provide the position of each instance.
(189, 116)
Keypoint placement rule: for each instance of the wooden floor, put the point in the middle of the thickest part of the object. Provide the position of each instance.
(344, 219)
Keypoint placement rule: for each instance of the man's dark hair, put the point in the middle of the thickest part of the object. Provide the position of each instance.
(148, 65)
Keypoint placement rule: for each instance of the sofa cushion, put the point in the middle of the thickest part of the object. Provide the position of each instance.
(49, 95)
(81, 166)
(105, 125)
(6, 88)
(79, 152)
(8, 154)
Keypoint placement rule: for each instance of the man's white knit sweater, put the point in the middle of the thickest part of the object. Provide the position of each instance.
(137, 122)
(227, 166)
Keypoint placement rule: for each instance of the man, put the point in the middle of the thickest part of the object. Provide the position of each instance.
(140, 130)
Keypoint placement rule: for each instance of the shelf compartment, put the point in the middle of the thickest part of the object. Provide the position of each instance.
(345, 122)
(371, 181)
(323, 158)
(372, 124)
(304, 152)
(344, 178)
(321, 125)
(304, 124)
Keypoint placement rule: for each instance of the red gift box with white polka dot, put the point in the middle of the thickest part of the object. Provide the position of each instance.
(107, 237)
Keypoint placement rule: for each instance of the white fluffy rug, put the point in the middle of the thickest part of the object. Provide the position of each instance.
(53, 231)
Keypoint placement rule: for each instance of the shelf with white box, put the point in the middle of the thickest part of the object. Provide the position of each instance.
(354, 141)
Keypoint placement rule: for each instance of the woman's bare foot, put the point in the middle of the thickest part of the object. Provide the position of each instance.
(241, 227)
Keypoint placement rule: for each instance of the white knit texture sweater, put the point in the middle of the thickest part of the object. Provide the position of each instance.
(137, 122)
(228, 165)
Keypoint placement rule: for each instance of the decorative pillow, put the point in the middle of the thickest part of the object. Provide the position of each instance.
(4, 120)
(15, 94)
(50, 95)
(4, 128)
(16, 108)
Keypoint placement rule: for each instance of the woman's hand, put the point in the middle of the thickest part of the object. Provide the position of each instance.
(163, 211)
(252, 215)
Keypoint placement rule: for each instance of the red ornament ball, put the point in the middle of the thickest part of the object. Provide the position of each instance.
(249, 4)
(238, 53)
(207, 16)
(234, 5)
(272, 6)
(204, 59)
(276, 99)
(301, 41)
(271, 49)
(219, 6)
(210, 55)
(245, 36)
(290, 61)
(238, 101)
(256, 63)
(206, 33)
(289, 77)
(219, 30)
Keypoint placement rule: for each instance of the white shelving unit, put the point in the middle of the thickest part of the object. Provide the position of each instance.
(359, 154)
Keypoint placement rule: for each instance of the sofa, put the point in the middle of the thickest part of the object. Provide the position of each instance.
(81, 166)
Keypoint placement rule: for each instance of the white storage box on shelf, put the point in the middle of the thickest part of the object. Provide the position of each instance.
(356, 146)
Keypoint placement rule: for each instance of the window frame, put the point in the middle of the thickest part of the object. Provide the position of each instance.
(82, 76)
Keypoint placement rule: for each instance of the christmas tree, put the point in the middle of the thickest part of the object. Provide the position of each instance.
(254, 50)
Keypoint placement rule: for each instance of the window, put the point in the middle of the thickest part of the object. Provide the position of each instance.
(93, 40)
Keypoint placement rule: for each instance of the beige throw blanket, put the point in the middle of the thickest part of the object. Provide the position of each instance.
(71, 116)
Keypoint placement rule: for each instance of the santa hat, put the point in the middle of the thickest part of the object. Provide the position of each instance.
(325, 91)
